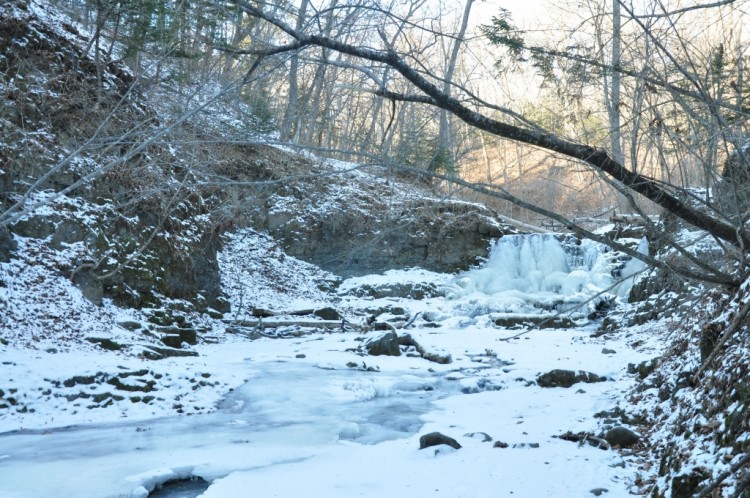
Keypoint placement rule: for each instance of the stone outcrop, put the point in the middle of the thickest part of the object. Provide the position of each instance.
(105, 225)
(440, 236)
(357, 223)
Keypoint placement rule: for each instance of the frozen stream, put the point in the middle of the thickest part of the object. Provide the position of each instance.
(311, 416)
(282, 403)
(284, 408)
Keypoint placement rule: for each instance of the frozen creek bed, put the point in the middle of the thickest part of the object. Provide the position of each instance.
(313, 416)
(314, 427)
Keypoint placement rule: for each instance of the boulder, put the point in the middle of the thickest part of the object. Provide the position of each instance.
(622, 437)
(385, 345)
(643, 369)
(105, 343)
(327, 313)
(435, 439)
(129, 324)
(441, 359)
(172, 340)
(567, 378)
(183, 334)
(189, 336)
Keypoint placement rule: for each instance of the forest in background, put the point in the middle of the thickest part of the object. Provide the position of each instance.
(661, 86)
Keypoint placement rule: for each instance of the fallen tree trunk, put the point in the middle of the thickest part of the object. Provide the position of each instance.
(320, 324)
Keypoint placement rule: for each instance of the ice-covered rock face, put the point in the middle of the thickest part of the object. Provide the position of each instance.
(547, 270)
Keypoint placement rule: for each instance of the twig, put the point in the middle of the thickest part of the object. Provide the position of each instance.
(722, 477)
(742, 486)
(411, 320)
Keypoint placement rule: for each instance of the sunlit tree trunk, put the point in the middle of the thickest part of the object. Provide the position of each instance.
(445, 140)
(615, 84)
(286, 131)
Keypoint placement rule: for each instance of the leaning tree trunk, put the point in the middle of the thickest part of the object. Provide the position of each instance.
(595, 157)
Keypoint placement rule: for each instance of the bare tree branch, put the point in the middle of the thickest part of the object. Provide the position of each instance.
(682, 10)
(598, 158)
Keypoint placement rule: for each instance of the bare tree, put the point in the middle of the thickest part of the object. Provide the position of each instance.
(369, 79)
(431, 94)
(290, 115)
(444, 151)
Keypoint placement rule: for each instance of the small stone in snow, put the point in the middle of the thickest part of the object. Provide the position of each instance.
(599, 491)
(608, 351)
(129, 324)
(327, 313)
(435, 439)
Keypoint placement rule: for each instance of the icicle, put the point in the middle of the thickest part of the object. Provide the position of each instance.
(631, 269)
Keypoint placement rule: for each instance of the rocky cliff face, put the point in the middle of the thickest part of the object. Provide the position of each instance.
(135, 231)
(148, 224)
(441, 236)
(354, 221)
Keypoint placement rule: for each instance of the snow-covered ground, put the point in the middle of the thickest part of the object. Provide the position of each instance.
(310, 413)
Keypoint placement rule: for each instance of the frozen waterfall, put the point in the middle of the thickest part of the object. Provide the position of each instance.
(549, 270)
